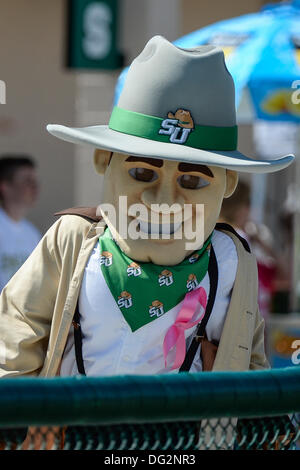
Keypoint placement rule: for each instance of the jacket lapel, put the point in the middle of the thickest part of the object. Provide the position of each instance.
(234, 349)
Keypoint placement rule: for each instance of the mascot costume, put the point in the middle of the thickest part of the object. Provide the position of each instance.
(148, 283)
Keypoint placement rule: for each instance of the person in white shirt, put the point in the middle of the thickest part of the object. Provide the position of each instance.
(18, 193)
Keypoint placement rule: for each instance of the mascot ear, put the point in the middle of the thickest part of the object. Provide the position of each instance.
(231, 182)
(102, 160)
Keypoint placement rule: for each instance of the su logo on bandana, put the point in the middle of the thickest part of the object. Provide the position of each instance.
(134, 269)
(124, 299)
(194, 258)
(178, 126)
(192, 282)
(156, 308)
(106, 258)
(165, 278)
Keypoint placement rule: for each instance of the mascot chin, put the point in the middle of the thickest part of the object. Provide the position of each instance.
(147, 282)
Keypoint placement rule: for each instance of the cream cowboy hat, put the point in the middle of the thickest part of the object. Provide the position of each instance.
(176, 104)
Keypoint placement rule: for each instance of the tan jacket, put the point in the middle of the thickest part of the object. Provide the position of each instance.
(38, 303)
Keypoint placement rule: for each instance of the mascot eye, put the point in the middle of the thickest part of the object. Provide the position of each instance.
(192, 182)
(143, 174)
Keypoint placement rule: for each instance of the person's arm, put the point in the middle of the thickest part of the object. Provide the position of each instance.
(26, 308)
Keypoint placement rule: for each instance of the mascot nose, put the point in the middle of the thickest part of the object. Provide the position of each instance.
(163, 194)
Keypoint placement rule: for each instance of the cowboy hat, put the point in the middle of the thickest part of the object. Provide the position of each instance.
(176, 104)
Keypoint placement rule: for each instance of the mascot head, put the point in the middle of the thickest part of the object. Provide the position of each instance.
(169, 153)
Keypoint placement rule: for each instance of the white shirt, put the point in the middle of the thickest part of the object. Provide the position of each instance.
(17, 240)
(111, 348)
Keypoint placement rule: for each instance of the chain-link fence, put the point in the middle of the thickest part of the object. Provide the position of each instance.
(241, 411)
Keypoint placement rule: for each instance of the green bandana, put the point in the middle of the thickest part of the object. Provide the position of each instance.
(145, 291)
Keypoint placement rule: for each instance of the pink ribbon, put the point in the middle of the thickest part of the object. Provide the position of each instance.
(175, 335)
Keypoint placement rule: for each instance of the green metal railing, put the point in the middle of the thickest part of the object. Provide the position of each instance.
(175, 411)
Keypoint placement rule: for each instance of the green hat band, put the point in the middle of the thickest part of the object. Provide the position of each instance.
(173, 130)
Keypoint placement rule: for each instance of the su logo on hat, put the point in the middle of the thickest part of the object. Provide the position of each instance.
(178, 126)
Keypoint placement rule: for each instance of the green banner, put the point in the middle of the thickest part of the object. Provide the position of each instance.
(92, 34)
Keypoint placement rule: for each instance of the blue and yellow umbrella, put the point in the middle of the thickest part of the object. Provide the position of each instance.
(262, 52)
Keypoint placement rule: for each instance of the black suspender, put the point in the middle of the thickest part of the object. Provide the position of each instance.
(78, 341)
(213, 281)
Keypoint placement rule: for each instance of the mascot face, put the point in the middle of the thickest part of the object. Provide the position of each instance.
(168, 208)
